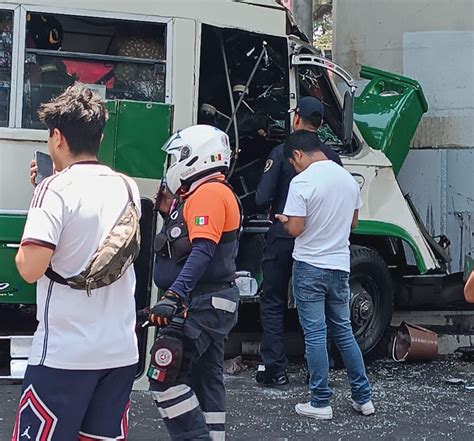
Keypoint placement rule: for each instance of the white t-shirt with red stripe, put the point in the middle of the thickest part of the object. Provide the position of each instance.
(72, 212)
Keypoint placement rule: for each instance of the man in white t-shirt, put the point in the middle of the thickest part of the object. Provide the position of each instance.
(83, 359)
(321, 208)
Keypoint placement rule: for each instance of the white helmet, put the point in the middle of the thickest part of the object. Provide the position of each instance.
(193, 153)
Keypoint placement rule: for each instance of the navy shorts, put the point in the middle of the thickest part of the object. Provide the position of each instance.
(60, 404)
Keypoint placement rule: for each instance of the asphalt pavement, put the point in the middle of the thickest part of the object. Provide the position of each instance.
(413, 402)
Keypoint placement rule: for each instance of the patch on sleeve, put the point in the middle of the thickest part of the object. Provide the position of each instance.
(201, 220)
(268, 165)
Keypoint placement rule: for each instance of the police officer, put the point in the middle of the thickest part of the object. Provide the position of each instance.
(195, 265)
(277, 259)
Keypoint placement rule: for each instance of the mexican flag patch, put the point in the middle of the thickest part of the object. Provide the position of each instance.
(201, 220)
(215, 158)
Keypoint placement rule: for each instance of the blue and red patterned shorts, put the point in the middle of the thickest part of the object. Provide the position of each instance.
(60, 404)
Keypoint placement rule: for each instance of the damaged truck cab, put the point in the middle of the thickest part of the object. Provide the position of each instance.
(240, 66)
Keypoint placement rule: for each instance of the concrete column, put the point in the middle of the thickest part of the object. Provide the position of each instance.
(303, 12)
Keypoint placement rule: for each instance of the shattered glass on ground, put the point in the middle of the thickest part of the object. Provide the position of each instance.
(413, 402)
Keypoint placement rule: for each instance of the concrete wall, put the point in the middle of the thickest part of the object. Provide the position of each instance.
(431, 41)
(441, 184)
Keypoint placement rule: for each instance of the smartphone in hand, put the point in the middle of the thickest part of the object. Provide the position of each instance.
(44, 164)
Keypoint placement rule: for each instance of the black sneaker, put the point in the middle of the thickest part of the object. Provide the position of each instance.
(279, 379)
(267, 378)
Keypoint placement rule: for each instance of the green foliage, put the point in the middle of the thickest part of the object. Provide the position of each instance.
(324, 41)
(322, 30)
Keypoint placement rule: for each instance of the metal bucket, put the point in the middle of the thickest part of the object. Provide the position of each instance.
(413, 342)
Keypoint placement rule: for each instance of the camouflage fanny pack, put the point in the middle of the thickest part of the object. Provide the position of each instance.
(114, 255)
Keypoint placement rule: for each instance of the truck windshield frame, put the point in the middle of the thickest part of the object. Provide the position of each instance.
(324, 73)
(331, 132)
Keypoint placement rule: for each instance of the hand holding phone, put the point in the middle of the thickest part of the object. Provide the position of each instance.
(42, 167)
(33, 171)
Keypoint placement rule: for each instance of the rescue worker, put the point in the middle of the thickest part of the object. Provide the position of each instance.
(195, 265)
(277, 259)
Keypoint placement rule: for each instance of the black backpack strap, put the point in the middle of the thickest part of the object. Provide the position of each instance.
(55, 277)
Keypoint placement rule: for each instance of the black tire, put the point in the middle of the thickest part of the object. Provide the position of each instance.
(371, 300)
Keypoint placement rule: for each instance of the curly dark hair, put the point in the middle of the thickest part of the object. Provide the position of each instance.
(80, 115)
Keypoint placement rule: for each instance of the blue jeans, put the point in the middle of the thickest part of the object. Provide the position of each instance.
(322, 299)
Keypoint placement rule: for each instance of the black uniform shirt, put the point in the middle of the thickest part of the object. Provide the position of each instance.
(272, 190)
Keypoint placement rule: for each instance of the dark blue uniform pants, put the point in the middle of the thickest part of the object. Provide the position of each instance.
(193, 407)
(277, 265)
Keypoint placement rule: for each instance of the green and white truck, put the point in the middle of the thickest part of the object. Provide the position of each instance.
(240, 65)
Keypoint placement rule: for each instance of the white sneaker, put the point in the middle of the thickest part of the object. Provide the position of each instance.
(319, 413)
(365, 409)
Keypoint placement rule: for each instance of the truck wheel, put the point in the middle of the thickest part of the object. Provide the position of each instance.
(371, 301)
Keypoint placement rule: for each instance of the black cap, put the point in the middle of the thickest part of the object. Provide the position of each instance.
(309, 106)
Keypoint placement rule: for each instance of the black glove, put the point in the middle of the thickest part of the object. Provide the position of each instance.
(167, 307)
